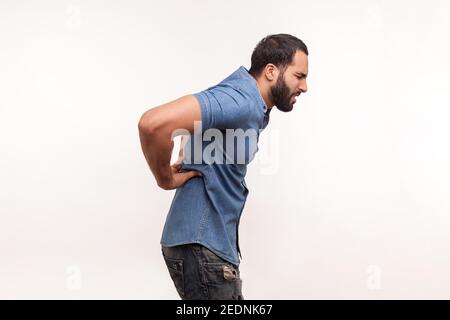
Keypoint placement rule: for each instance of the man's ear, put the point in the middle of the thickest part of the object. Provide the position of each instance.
(270, 72)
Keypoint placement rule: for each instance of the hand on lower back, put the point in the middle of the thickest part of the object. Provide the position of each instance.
(179, 178)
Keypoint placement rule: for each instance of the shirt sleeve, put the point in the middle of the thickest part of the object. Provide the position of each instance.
(223, 108)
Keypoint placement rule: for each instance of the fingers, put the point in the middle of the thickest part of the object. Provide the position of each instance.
(190, 174)
(179, 178)
(185, 176)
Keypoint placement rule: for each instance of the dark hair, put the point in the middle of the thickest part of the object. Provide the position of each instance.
(278, 49)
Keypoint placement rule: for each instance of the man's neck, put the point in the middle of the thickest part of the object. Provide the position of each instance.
(264, 91)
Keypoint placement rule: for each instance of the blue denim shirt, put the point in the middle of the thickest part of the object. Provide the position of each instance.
(207, 209)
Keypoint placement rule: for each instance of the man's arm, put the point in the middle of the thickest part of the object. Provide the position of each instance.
(156, 128)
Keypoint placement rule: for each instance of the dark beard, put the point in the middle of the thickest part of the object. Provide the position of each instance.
(281, 95)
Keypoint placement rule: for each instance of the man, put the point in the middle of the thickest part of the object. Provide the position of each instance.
(200, 238)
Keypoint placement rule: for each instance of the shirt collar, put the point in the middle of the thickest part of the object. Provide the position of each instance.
(246, 74)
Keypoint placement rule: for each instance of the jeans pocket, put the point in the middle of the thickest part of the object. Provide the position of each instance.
(223, 281)
(175, 267)
(219, 272)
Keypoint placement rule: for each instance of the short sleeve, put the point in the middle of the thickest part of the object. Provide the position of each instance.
(223, 108)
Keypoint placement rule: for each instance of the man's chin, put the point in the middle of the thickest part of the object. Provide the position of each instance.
(287, 108)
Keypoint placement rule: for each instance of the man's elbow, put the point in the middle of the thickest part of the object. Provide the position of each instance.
(147, 123)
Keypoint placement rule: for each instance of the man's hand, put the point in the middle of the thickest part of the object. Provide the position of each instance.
(179, 178)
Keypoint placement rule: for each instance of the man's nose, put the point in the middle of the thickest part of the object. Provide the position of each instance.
(303, 86)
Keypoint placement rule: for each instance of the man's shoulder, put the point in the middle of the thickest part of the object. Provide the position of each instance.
(234, 91)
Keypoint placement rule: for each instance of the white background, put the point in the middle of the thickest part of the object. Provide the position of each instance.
(352, 197)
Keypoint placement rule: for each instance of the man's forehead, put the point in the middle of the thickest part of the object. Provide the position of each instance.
(299, 62)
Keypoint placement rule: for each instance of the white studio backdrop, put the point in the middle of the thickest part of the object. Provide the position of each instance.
(349, 193)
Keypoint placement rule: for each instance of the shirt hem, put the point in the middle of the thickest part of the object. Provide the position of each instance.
(219, 253)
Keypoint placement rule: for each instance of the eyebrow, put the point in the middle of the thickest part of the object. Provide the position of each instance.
(301, 74)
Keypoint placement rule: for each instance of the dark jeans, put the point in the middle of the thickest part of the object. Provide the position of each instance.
(199, 274)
